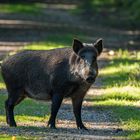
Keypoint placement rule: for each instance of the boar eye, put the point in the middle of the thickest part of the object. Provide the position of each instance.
(82, 56)
(94, 58)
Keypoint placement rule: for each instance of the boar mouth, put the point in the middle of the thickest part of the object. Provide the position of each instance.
(90, 80)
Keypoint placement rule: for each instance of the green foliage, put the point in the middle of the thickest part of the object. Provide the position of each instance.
(130, 6)
(135, 9)
(20, 8)
(126, 12)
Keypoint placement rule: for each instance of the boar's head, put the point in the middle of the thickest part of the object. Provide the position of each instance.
(84, 60)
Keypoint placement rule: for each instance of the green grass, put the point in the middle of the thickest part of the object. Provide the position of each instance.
(43, 46)
(122, 70)
(2, 85)
(28, 111)
(20, 8)
(121, 82)
(10, 137)
(54, 41)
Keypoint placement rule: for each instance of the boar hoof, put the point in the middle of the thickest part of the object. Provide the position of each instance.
(13, 125)
(51, 126)
(83, 128)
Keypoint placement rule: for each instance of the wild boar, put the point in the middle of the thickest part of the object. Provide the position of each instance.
(51, 75)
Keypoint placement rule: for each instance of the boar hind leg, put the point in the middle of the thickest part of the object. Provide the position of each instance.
(77, 105)
(56, 103)
(14, 98)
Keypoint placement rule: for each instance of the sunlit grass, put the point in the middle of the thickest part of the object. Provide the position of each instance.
(122, 70)
(121, 81)
(125, 111)
(43, 46)
(2, 85)
(121, 93)
(15, 137)
(125, 105)
(20, 8)
(28, 111)
(52, 42)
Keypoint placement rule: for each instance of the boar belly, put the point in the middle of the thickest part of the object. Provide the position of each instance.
(38, 95)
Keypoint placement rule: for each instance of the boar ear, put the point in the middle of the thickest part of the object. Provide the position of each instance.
(99, 46)
(77, 45)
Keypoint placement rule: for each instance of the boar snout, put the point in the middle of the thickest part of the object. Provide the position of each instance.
(89, 74)
(90, 79)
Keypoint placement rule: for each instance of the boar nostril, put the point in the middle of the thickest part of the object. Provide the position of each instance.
(90, 79)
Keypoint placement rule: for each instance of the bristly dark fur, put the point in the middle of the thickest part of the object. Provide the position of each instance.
(50, 75)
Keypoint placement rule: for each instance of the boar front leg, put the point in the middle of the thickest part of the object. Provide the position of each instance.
(77, 105)
(56, 102)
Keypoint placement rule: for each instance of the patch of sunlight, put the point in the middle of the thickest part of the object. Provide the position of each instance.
(43, 46)
(20, 8)
(138, 55)
(31, 119)
(122, 93)
(107, 71)
(5, 137)
(113, 102)
(122, 54)
(121, 68)
(15, 137)
(2, 85)
(26, 118)
(135, 135)
(125, 89)
(132, 124)
(137, 103)
(2, 118)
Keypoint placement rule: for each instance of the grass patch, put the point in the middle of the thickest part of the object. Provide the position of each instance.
(2, 84)
(52, 42)
(125, 112)
(121, 81)
(20, 8)
(43, 46)
(28, 111)
(10, 137)
(122, 70)
(121, 93)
